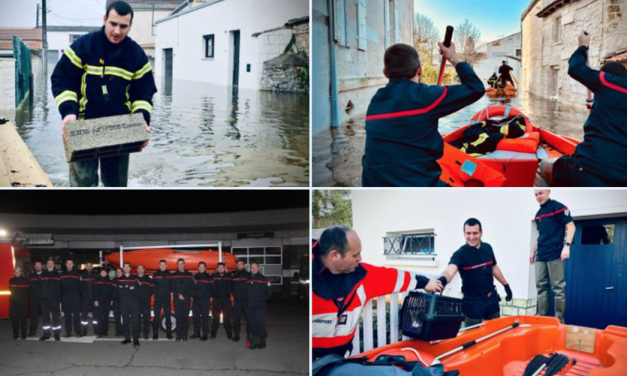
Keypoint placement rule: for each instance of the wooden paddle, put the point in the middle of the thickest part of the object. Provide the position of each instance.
(589, 99)
(447, 43)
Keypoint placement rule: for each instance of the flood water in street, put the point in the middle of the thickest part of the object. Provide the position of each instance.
(201, 135)
(337, 153)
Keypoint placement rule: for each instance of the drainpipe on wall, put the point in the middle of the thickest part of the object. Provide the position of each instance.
(335, 109)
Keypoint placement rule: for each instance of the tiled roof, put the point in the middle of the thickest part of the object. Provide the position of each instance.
(31, 37)
(619, 57)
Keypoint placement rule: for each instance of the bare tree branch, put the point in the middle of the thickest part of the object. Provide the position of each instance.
(425, 33)
(467, 36)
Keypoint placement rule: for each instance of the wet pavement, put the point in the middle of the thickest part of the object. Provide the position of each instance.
(287, 352)
(337, 153)
(201, 135)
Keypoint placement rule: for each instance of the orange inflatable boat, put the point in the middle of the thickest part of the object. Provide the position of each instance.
(509, 91)
(516, 159)
(505, 346)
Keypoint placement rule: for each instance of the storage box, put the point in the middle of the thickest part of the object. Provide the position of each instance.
(105, 137)
(430, 317)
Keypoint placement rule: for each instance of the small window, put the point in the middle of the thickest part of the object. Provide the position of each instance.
(410, 244)
(518, 52)
(255, 251)
(597, 234)
(240, 251)
(275, 279)
(209, 48)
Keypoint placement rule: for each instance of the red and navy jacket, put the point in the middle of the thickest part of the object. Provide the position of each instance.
(96, 78)
(239, 278)
(403, 142)
(202, 287)
(258, 289)
(162, 283)
(222, 286)
(87, 278)
(128, 287)
(145, 289)
(182, 283)
(50, 285)
(19, 287)
(551, 221)
(336, 307)
(35, 285)
(70, 283)
(103, 289)
(475, 268)
(603, 151)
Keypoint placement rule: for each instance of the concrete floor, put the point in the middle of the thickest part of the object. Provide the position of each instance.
(287, 352)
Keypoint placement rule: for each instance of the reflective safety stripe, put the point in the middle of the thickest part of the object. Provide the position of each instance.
(480, 140)
(67, 95)
(69, 52)
(140, 73)
(94, 322)
(85, 322)
(115, 71)
(56, 327)
(96, 71)
(128, 103)
(400, 278)
(46, 327)
(83, 102)
(141, 105)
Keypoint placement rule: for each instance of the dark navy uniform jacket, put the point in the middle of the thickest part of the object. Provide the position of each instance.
(202, 286)
(403, 143)
(222, 286)
(145, 289)
(182, 283)
(70, 283)
(96, 78)
(35, 285)
(50, 285)
(19, 287)
(240, 277)
(475, 267)
(162, 283)
(603, 151)
(128, 287)
(103, 289)
(551, 221)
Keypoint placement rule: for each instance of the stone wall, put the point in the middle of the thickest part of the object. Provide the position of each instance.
(289, 71)
(549, 42)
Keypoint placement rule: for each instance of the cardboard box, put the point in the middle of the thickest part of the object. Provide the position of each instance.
(105, 137)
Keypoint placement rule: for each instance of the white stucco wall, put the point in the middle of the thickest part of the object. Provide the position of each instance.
(7, 84)
(506, 216)
(142, 31)
(184, 34)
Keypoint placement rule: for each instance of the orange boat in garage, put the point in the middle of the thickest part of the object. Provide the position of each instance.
(506, 346)
(515, 160)
(150, 257)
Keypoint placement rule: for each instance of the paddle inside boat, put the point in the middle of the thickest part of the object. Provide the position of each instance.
(512, 346)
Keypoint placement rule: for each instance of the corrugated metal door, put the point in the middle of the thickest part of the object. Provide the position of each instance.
(596, 274)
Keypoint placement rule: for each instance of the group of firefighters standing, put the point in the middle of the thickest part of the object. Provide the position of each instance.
(129, 295)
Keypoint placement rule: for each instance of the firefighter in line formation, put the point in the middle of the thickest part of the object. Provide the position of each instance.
(236, 294)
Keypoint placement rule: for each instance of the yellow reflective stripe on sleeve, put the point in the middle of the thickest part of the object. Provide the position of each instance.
(140, 73)
(141, 105)
(480, 140)
(83, 102)
(67, 95)
(69, 52)
(115, 71)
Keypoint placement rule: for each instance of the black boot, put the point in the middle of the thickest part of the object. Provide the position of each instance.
(229, 334)
(67, 335)
(155, 331)
(236, 337)
(126, 341)
(204, 337)
(56, 337)
(168, 333)
(136, 342)
(46, 336)
(196, 335)
(262, 343)
(85, 331)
